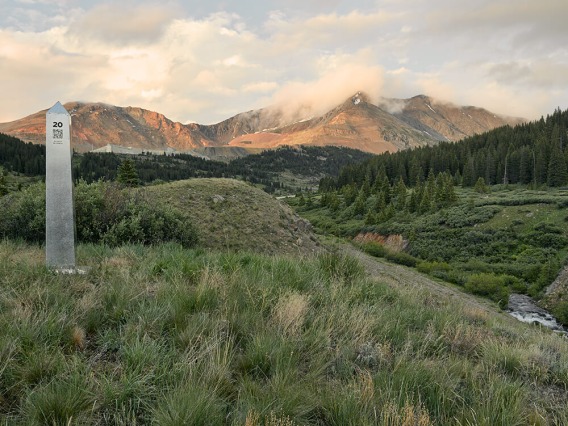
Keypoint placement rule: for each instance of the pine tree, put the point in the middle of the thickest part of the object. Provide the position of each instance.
(370, 218)
(359, 205)
(334, 202)
(468, 173)
(400, 193)
(557, 173)
(413, 202)
(480, 186)
(380, 202)
(127, 174)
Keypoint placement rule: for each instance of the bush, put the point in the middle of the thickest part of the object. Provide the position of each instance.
(23, 214)
(432, 267)
(374, 249)
(103, 213)
(402, 258)
(560, 311)
(489, 285)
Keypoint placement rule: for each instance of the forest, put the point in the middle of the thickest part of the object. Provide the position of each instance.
(263, 169)
(534, 153)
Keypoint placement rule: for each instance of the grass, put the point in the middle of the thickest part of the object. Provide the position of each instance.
(165, 335)
(513, 235)
(233, 215)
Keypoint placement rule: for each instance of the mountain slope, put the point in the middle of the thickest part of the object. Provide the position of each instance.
(445, 121)
(95, 125)
(356, 123)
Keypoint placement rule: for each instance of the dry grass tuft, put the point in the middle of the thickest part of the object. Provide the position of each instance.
(78, 338)
(254, 419)
(290, 312)
(410, 415)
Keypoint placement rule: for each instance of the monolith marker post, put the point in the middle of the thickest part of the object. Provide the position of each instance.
(60, 212)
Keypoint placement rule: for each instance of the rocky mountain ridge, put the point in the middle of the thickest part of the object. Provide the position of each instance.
(392, 125)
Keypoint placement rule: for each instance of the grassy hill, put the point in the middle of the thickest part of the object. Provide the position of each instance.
(233, 215)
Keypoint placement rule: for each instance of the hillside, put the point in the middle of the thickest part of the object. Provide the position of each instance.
(180, 336)
(356, 123)
(232, 215)
(251, 326)
(445, 121)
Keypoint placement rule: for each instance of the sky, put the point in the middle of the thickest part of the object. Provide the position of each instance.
(205, 61)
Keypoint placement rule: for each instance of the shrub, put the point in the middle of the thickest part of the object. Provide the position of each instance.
(432, 267)
(374, 249)
(103, 213)
(560, 311)
(23, 214)
(489, 285)
(402, 258)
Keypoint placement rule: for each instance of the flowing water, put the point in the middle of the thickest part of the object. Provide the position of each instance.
(524, 309)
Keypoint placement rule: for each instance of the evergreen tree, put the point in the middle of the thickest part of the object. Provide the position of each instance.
(370, 218)
(425, 201)
(557, 173)
(359, 205)
(468, 178)
(349, 194)
(400, 193)
(480, 186)
(127, 174)
(334, 202)
(526, 166)
(380, 202)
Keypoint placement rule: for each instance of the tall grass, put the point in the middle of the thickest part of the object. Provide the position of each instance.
(168, 336)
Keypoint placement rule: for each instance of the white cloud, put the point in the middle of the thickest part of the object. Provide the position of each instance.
(123, 23)
(504, 55)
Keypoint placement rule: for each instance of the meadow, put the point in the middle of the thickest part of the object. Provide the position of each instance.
(169, 336)
(511, 239)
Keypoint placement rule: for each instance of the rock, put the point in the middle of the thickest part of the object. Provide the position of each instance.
(218, 199)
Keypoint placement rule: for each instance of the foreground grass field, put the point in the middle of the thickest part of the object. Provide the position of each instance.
(170, 336)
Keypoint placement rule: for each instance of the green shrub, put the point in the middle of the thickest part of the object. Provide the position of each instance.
(339, 266)
(23, 214)
(489, 285)
(432, 267)
(103, 213)
(402, 258)
(374, 249)
(560, 311)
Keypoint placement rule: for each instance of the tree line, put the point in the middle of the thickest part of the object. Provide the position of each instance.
(263, 169)
(534, 153)
(20, 157)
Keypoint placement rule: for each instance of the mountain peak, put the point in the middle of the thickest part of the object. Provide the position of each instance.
(359, 97)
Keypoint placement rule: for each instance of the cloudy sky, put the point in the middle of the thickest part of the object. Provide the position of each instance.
(204, 61)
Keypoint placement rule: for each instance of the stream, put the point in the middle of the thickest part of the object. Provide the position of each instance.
(524, 309)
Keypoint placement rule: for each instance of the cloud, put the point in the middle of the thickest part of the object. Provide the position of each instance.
(208, 63)
(124, 23)
(300, 100)
(544, 73)
(325, 31)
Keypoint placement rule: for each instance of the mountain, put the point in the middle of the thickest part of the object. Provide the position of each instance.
(392, 125)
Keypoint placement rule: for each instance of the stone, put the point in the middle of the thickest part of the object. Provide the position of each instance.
(60, 212)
